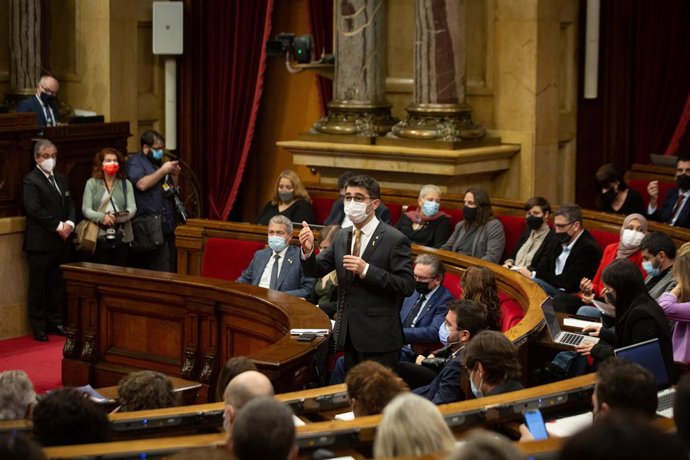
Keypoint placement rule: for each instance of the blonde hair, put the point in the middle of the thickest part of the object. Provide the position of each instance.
(300, 190)
(412, 425)
(429, 188)
(480, 444)
(681, 273)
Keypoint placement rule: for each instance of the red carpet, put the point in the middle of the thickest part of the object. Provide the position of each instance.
(41, 360)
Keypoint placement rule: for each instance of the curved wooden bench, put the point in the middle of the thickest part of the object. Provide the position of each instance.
(123, 319)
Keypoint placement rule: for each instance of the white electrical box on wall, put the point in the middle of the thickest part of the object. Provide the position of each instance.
(167, 27)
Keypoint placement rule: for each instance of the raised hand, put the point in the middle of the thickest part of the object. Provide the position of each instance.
(653, 191)
(306, 239)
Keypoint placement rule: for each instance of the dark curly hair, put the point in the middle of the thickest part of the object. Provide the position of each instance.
(497, 355)
(97, 171)
(145, 390)
(372, 386)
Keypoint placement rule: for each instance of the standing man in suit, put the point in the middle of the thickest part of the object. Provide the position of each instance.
(49, 223)
(675, 210)
(337, 215)
(574, 256)
(423, 312)
(373, 263)
(279, 266)
(43, 103)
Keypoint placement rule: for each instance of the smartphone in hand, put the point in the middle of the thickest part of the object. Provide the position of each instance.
(535, 424)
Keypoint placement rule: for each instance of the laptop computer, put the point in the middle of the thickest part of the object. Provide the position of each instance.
(648, 355)
(572, 339)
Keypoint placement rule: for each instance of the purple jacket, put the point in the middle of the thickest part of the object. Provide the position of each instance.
(679, 312)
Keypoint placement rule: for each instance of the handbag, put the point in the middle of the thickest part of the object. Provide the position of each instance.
(87, 233)
(148, 232)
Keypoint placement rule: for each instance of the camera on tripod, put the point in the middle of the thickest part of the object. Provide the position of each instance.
(172, 192)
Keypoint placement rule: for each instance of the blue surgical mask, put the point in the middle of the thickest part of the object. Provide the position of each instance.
(430, 208)
(157, 154)
(476, 389)
(443, 334)
(277, 243)
(650, 268)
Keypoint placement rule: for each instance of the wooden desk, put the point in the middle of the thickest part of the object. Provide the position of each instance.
(16, 132)
(123, 319)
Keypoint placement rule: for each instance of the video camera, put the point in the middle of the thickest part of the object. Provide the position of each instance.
(299, 47)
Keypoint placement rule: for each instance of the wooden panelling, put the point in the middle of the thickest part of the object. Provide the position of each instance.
(16, 131)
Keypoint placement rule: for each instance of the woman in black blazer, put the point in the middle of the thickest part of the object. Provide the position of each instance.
(638, 317)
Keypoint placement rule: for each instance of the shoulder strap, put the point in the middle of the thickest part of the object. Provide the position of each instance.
(105, 203)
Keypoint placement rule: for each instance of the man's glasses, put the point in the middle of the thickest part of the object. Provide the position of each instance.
(355, 198)
(562, 226)
(46, 156)
(47, 91)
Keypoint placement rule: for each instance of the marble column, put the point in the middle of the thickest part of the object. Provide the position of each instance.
(25, 47)
(439, 111)
(359, 106)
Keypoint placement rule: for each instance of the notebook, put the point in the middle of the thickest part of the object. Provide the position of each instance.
(557, 335)
(648, 355)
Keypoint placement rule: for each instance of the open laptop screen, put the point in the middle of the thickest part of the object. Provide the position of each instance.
(648, 355)
(550, 317)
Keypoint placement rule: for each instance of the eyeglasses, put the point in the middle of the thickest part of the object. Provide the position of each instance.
(562, 226)
(423, 280)
(47, 91)
(46, 156)
(356, 198)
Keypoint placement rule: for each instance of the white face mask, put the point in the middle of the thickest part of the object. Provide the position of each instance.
(356, 212)
(48, 165)
(631, 237)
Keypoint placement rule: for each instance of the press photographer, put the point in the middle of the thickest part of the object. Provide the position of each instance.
(155, 192)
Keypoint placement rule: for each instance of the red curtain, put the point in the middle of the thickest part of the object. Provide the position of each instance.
(321, 24)
(237, 31)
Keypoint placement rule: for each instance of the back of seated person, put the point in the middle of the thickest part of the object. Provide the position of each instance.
(410, 426)
(370, 386)
(675, 210)
(479, 284)
(66, 417)
(232, 368)
(492, 362)
(537, 235)
(615, 195)
(290, 199)
(681, 410)
(264, 429)
(479, 234)
(426, 225)
(17, 395)
(480, 444)
(337, 215)
(19, 447)
(279, 266)
(624, 387)
(621, 438)
(242, 389)
(144, 390)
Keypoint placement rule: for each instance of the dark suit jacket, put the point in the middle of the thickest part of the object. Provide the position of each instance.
(370, 305)
(445, 388)
(665, 212)
(291, 280)
(644, 320)
(430, 318)
(31, 104)
(583, 261)
(337, 213)
(45, 209)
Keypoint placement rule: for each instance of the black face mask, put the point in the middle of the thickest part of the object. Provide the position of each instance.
(683, 182)
(534, 222)
(609, 196)
(469, 213)
(47, 99)
(423, 288)
(563, 237)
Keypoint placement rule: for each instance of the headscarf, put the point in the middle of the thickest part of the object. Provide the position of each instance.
(624, 250)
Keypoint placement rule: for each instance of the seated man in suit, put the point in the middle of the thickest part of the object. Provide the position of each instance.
(576, 255)
(675, 209)
(43, 102)
(337, 215)
(279, 266)
(424, 311)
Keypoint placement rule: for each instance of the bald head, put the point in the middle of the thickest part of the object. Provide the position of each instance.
(245, 387)
(48, 83)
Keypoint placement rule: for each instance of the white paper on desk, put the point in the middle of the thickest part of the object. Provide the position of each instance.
(318, 332)
(345, 416)
(579, 323)
(568, 426)
(605, 308)
(298, 421)
(94, 395)
(84, 113)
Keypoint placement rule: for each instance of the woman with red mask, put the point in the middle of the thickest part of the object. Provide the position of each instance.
(109, 202)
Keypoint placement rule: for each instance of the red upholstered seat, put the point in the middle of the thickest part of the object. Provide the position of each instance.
(322, 207)
(451, 281)
(603, 237)
(513, 227)
(226, 258)
(512, 312)
(396, 212)
(640, 185)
